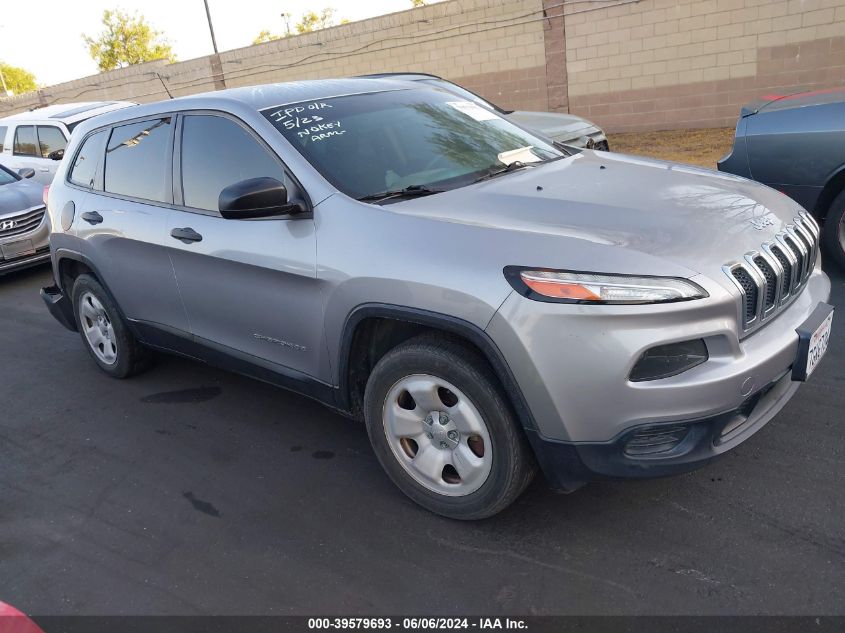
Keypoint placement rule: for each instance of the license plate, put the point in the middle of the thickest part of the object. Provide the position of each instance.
(813, 338)
(17, 249)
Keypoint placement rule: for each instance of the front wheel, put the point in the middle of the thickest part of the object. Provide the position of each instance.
(834, 230)
(443, 431)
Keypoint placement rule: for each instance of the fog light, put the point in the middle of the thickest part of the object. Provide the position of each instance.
(664, 361)
(656, 439)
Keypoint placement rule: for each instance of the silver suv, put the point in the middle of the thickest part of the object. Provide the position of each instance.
(485, 302)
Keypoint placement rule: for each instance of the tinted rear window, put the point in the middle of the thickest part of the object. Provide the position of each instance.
(26, 144)
(136, 160)
(84, 169)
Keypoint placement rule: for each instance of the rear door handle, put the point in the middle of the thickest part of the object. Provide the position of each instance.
(186, 235)
(92, 217)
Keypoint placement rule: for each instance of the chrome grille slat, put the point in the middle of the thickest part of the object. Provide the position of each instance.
(769, 279)
(24, 222)
(793, 243)
(806, 243)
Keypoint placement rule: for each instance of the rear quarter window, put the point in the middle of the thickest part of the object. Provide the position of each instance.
(83, 172)
(3, 130)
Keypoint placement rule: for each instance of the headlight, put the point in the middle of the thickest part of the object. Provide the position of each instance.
(576, 287)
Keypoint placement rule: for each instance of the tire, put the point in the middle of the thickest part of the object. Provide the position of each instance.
(833, 231)
(456, 419)
(104, 332)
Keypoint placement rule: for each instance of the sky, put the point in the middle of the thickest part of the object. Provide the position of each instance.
(58, 53)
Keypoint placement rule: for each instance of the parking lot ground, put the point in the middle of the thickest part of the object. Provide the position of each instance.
(701, 147)
(189, 490)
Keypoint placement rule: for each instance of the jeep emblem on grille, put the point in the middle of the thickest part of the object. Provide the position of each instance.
(7, 225)
(762, 223)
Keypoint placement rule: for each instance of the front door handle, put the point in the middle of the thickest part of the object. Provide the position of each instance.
(92, 217)
(43, 169)
(186, 235)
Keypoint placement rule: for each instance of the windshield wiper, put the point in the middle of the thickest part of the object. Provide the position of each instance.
(411, 191)
(492, 172)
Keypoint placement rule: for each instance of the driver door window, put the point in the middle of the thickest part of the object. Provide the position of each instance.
(51, 140)
(216, 153)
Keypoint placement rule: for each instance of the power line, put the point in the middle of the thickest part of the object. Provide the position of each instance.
(432, 36)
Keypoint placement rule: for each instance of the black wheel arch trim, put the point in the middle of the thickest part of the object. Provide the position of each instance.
(61, 254)
(454, 325)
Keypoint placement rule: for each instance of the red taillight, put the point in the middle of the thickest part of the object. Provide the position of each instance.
(44, 195)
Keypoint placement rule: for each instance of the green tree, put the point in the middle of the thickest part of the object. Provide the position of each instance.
(266, 36)
(126, 39)
(417, 3)
(17, 80)
(311, 21)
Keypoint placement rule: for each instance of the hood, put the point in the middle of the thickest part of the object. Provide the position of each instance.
(618, 211)
(20, 196)
(774, 102)
(560, 127)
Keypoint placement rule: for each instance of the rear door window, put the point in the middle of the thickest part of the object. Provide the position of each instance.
(136, 163)
(3, 131)
(26, 143)
(83, 172)
(50, 139)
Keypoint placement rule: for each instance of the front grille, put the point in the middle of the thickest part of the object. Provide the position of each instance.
(770, 278)
(22, 223)
(787, 270)
(771, 281)
(749, 291)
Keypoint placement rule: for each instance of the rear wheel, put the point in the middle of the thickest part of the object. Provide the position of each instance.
(104, 332)
(442, 430)
(834, 230)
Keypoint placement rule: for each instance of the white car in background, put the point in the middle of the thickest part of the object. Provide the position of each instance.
(37, 139)
(567, 129)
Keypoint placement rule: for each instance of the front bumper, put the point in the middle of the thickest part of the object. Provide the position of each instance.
(568, 465)
(59, 306)
(19, 263)
(24, 250)
(572, 364)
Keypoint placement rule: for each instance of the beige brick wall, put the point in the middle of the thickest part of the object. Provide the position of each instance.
(627, 64)
(651, 64)
(495, 46)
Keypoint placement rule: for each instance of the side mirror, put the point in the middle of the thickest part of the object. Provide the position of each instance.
(256, 198)
(26, 172)
(59, 154)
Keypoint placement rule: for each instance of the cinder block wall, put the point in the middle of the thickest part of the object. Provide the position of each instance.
(627, 64)
(495, 47)
(668, 64)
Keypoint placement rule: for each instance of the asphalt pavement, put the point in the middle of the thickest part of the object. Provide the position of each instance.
(189, 490)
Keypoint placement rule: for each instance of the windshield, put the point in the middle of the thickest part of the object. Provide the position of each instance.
(6, 177)
(463, 92)
(389, 141)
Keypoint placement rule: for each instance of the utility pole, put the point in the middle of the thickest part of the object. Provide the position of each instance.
(286, 18)
(210, 27)
(6, 91)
